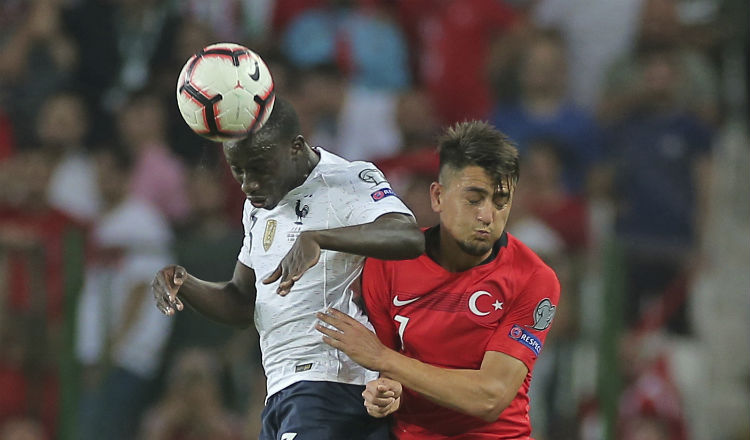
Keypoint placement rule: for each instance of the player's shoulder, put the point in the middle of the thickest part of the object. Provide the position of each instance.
(336, 170)
(525, 260)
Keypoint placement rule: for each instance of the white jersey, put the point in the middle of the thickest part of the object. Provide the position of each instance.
(337, 193)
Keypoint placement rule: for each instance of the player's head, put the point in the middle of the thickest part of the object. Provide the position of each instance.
(272, 161)
(478, 174)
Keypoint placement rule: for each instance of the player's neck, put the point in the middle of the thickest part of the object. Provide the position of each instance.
(306, 165)
(448, 254)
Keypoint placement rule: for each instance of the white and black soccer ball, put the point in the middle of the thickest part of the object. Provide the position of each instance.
(225, 92)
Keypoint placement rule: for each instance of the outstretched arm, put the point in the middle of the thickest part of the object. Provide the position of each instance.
(229, 302)
(482, 393)
(391, 236)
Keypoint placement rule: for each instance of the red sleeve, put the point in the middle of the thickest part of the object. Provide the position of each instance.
(376, 293)
(523, 330)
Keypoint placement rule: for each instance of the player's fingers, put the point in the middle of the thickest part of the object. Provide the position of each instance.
(332, 342)
(382, 401)
(274, 275)
(331, 333)
(178, 303)
(330, 320)
(180, 274)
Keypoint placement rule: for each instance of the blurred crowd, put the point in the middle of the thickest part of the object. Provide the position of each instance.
(630, 116)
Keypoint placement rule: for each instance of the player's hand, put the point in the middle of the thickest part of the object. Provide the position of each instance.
(303, 255)
(353, 338)
(382, 397)
(165, 286)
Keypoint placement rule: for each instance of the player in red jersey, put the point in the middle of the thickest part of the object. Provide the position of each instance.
(462, 325)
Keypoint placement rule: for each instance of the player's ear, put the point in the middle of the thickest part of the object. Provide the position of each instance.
(436, 194)
(298, 144)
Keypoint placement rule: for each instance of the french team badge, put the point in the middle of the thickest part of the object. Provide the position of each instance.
(543, 315)
(268, 234)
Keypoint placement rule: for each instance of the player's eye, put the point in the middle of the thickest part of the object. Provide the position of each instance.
(474, 201)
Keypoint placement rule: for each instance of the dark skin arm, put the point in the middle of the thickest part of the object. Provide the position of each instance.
(229, 302)
(390, 237)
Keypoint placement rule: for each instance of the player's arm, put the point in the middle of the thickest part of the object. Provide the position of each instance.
(229, 302)
(392, 236)
(482, 393)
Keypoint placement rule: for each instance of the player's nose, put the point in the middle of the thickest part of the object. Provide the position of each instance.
(250, 186)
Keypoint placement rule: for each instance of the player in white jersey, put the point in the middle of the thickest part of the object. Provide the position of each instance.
(307, 212)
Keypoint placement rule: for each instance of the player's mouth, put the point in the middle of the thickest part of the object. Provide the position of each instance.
(257, 202)
(482, 234)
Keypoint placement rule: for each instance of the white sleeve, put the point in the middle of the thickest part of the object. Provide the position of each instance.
(247, 222)
(362, 194)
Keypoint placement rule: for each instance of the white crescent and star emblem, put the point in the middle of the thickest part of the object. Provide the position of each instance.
(473, 303)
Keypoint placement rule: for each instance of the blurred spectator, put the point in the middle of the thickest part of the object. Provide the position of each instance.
(318, 99)
(415, 166)
(158, 176)
(32, 254)
(650, 405)
(38, 57)
(191, 407)
(453, 38)
(190, 37)
(629, 83)
(61, 128)
(232, 20)
(120, 42)
(120, 334)
(542, 109)
(22, 429)
(207, 241)
(661, 158)
(364, 42)
(360, 37)
(544, 195)
(596, 33)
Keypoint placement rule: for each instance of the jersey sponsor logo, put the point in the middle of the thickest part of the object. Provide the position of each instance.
(524, 337)
(543, 315)
(288, 436)
(301, 211)
(400, 303)
(497, 305)
(382, 193)
(372, 175)
(303, 367)
(268, 234)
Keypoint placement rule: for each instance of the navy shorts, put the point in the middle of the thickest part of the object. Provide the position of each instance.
(310, 410)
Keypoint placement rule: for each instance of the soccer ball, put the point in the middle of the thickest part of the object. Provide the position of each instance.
(225, 92)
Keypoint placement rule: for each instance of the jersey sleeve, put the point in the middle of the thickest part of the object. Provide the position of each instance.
(247, 222)
(364, 195)
(376, 294)
(523, 330)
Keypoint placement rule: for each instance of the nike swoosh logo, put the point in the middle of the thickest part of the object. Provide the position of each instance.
(398, 303)
(255, 75)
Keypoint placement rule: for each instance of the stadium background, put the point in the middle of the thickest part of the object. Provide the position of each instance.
(631, 116)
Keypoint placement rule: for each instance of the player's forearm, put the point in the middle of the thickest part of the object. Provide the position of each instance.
(467, 391)
(222, 302)
(391, 237)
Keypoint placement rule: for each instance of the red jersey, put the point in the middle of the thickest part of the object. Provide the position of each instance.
(450, 320)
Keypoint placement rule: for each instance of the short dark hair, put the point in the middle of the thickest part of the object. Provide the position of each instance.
(479, 143)
(282, 123)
